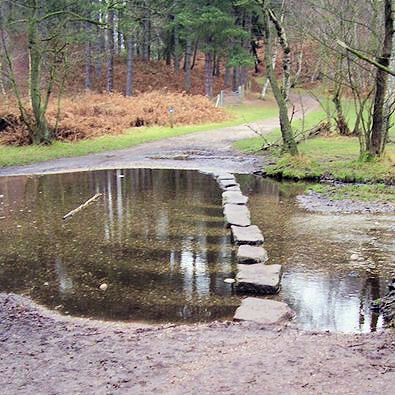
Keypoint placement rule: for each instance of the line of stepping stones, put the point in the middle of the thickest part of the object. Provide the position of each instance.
(254, 276)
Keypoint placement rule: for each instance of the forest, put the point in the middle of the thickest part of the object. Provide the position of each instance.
(54, 52)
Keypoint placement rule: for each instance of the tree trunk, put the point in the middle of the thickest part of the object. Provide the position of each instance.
(111, 49)
(99, 50)
(147, 35)
(341, 122)
(265, 86)
(41, 132)
(208, 68)
(88, 66)
(235, 79)
(285, 124)
(283, 39)
(195, 54)
(187, 66)
(228, 71)
(379, 123)
(176, 51)
(129, 77)
(119, 31)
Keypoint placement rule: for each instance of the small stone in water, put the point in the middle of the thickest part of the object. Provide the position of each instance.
(46, 283)
(354, 257)
(229, 280)
(103, 287)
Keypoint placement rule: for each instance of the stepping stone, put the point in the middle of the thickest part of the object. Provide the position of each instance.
(233, 197)
(226, 177)
(247, 254)
(224, 184)
(247, 235)
(237, 215)
(258, 279)
(234, 188)
(263, 311)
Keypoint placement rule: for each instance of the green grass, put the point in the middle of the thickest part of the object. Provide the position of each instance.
(13, 156)
(366, 193)
(254, 144)
(334, 156)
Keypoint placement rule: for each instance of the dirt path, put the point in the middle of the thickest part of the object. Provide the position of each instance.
(47, 354)
(198, 151)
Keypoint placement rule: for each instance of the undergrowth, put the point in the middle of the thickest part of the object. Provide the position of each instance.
(93, 115)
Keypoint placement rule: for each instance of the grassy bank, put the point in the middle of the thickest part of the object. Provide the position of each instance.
(334, 156)
(13, 156)
(364, 192)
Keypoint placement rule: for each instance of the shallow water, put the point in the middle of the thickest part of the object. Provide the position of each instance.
(156, 238)
(325, 287)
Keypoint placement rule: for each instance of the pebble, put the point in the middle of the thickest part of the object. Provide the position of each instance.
(229, 280)
(103, 287)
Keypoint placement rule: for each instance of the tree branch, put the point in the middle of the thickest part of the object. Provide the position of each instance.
(365, 58)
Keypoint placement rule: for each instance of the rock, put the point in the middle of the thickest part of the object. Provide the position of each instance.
(226, 177)
(237, 215)
(355, 257)
(229, 280)
(103, 287)
(247, 235)
(259, 279)
(224, 184)
(234, 197)
(387, 306)
(235, 188)
(263, 311)
(247, 254)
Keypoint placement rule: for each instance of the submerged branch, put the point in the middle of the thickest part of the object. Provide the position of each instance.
(84, 205)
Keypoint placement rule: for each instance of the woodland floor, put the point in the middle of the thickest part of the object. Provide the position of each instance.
(46, 353)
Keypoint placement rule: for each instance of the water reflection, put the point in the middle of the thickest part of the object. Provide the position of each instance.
(156, 237)
(327, 289)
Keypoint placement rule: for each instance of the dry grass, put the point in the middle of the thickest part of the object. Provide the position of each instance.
(92, 115)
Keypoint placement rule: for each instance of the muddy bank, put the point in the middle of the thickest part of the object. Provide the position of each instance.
(42, 352)
(316, 202)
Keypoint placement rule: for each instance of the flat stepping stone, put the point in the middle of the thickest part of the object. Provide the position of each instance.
(247, 235)
(247, 255)
(226, 177)
(234, 188)
(263, 311)
(224, 184)
(258, 279)
(234, 197)
(237, 215)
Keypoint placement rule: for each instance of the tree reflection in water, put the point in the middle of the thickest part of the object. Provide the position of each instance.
(156, 237)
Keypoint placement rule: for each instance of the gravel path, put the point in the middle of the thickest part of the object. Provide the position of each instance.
(43, 353)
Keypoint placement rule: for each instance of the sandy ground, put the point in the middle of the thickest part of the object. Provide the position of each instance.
(45, 353)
